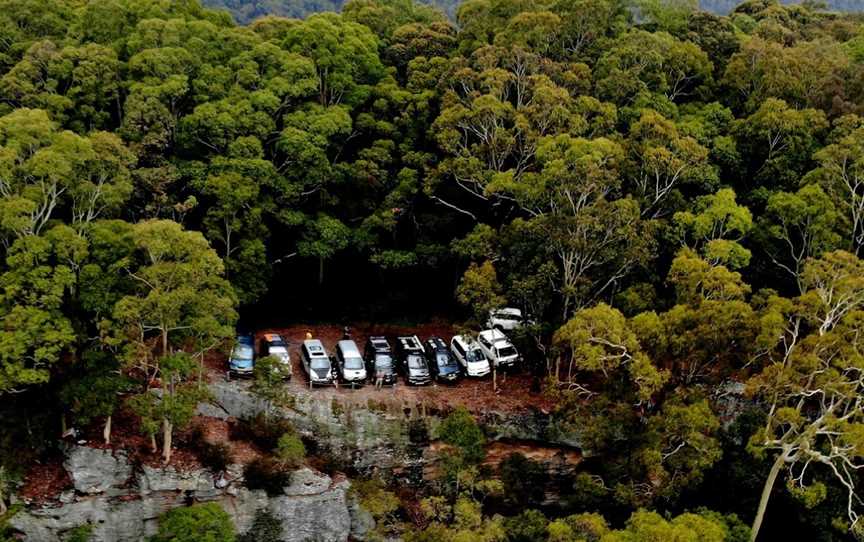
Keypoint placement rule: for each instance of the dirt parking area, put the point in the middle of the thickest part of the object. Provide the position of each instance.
(478, 395)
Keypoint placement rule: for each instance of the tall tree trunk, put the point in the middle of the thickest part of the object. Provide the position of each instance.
(494, 378)
(106, 431)
(153, 447)
(766, 494)
(320, 270)
(3, 508)
(167, 431)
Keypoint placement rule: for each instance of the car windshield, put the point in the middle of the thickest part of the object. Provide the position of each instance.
(320, 363)
(243, 352)
(353, 363)
(383, 361)
(416, 362)
(475, 354)
(506, 352)
(508, 316)
(445, 359)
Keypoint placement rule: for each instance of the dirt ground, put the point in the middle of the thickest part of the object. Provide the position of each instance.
(478, 395)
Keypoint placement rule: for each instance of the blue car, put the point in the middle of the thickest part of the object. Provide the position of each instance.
(441, 362)
(242, 359)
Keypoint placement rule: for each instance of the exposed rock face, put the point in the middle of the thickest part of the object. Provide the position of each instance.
(96, 471)
(313, 507)
(378, 436)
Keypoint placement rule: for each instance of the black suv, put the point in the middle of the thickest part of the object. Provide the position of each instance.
(412, 360)
(379, 360)
(442, 364)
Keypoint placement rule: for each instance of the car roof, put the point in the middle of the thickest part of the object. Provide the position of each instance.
(273, 337)
(379, 343)
(466, 340)
(507, 310)
(494, 335)
(410, 342)
(436, 342)
(348, 347)
(314, 346)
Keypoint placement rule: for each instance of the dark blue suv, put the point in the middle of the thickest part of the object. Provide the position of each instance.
(441, 362)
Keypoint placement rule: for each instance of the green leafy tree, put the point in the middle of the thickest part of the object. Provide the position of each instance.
(717, 227)
(799, 226)
(199, 523)
(35, 331)
(324, 238)
(811, 383)
(290, 451)
(180, 300)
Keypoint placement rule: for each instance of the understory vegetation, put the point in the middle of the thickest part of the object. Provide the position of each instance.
(673, 198)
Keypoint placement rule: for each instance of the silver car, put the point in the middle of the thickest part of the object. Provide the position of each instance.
(316, 363)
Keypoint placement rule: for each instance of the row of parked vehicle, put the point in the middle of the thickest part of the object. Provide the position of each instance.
(419, 362)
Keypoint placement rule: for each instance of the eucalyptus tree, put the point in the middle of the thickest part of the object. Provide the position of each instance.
(812, 382)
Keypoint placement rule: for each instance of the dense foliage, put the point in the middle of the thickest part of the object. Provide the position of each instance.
(674, 198)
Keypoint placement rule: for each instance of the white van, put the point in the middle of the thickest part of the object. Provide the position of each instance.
(470, 356)
(352, 368)
(498, 348)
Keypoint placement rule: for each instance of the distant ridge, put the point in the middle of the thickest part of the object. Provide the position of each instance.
(246, 11)
(725, 6)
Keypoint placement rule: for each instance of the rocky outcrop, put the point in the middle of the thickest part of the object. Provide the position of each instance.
(96, 471)
(379, 436)
(313, 507)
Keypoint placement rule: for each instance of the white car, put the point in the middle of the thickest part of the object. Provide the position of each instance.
(351, 366)
(498, 348)
(506, 319)
(470, 356)
(274, 345)
(316, 363)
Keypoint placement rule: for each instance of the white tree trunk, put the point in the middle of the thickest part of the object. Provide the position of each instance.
(106, 431)
(766, 494)
(167, 433)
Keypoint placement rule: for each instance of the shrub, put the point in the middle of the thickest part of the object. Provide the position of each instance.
(524, 480)
(198, 523)
(263, 431)
(460, 429)
(81, 533)
(214, 456)
(529, 526)
(266, 474)
(290, 451)
(375, 498)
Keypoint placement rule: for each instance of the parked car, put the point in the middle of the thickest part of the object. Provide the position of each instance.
(442, 364)
(316, 363)
(379, 359)
(241, 362)
(274, 345)
(498, 348)
(470, 356)
(412, 360)
(506, 319)
(352, 369)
